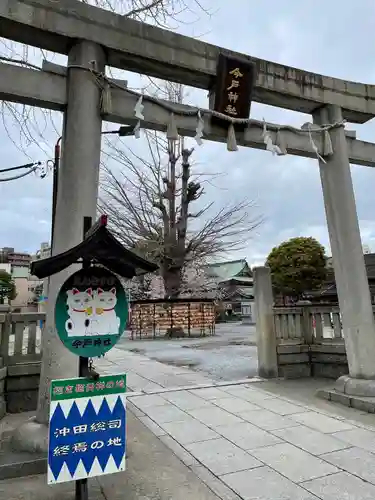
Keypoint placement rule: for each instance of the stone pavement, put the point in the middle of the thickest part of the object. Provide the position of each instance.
(153, 473)
(230, 354)
(246, 442)
(147, 375)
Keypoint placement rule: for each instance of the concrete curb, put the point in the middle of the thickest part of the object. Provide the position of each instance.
(358, 402)
(22, 469)
(227, 383)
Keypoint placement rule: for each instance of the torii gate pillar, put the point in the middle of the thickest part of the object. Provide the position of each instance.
(77, 198)
(348, 260)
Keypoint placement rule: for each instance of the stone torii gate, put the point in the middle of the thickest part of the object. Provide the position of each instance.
(94, 38)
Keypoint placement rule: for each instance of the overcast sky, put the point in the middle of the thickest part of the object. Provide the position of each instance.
(328, 37)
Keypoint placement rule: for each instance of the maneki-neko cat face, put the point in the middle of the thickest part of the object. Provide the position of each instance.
(80, 301)
(105, 300)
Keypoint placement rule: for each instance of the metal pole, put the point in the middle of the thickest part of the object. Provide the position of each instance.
(56, 166)
(83, 369)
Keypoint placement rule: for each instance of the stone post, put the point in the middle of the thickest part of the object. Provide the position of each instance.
(265, 327)
(348, 260)
(76, 198)
(4, 353)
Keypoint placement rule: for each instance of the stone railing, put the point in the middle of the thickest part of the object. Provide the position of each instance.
(293, 342)
(309, 341)
(313, 324)
(20, 355)
(20, 337)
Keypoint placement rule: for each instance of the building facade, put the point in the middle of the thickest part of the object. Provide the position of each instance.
(236, 280)
(17, 264)
(16, 259)
(328, 292)
(38, 288)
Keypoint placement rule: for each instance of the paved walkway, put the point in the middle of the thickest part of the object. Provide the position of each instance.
(228, 355)
(246, 442)
(147, 375)
(261, 446)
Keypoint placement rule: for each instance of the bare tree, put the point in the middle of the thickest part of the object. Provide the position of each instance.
(155, 205)
(24, 124)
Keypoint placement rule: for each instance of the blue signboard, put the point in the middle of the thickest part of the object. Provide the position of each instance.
(87, 428)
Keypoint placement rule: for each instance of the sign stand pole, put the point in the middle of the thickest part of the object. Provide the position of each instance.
(81, 485)
(83, 369)
(89, 332)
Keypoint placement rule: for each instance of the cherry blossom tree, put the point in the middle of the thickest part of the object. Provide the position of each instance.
(196, 282)
(147, 286)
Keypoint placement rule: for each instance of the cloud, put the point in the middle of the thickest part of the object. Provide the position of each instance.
(327, 37)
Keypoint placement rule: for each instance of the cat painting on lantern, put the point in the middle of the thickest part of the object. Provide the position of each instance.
(91, 312)
(106, 321)
(80, 311)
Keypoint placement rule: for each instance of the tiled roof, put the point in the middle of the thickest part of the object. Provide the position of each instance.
(369, 263)
(228, 270)
(243, 279)
(329, 287)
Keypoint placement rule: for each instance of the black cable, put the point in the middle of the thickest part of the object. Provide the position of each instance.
(19, 176)
(27, 165)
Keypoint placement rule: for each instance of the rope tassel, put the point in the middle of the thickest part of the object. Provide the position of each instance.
(314, 146)
(199, 130)
(106, 99)
(172, 131)
(327, 144)
(231, 139)
(280, 143)
(137, 130)
(267, 139)
(138, 109)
